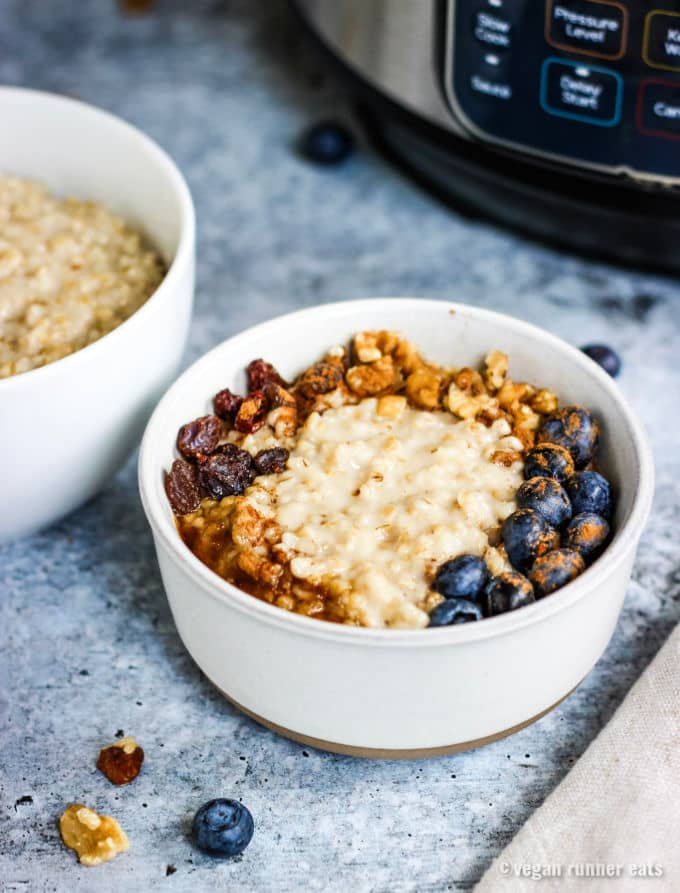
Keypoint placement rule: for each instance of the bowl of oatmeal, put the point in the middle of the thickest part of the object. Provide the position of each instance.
(406, 533)
(96, 288)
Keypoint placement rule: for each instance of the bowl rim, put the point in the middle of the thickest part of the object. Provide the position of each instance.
(625, 538)
(182, 255)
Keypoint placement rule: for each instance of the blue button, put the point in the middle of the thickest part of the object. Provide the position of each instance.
(580, 92)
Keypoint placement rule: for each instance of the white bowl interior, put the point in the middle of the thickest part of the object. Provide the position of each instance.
(80, 151)
(448, 333)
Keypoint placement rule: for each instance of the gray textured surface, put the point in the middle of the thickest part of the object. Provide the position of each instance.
(88, 645)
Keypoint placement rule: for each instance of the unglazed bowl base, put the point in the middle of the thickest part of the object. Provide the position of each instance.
(386, 753)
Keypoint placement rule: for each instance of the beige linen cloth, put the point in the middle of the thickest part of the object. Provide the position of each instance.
(618, 806)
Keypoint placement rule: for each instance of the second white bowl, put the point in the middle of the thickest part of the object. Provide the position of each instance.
(67, 427)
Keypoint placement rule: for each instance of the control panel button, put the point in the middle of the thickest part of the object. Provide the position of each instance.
(658, 109)
(661, 42)
(581, 92)
(492, 29)
(593, 27)
(490, 86)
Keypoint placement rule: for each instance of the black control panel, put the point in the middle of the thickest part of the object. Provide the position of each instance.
(596, 81)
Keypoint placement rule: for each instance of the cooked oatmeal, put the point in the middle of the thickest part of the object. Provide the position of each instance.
(70, 272)
(370, 505)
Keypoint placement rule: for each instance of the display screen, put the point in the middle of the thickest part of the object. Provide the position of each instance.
(588, 80)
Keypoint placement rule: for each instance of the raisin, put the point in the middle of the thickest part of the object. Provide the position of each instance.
(200, 437)
(226, 405)
(319, 379)
(271, 461)
(226, 472)
(252, 413)
(181, 487)
(260, 373)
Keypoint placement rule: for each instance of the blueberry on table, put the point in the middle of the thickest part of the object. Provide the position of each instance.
(554, 570)
(506, 592)
(585, 533)
(604, 356)
(327, 142)
(589, 491)
(575, 429)
(223, 827)
(453, 611)
(547, 497)
(549, 460)
(527, 535)
(463, 577)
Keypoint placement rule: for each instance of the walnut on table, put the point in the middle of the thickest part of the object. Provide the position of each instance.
(95, 838)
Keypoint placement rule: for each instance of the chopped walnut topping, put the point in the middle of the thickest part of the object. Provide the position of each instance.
(506, 457)
(391, 406)
(422, 388)
(371, 346)
(469, 380)
(497, 560)
(467, 406)
(544, 401)
(373, 378)
(95, 838)
(496, 364)
(512, 393)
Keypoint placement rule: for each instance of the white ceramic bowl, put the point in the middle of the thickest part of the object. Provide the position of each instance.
(398, 692)
(67, 427)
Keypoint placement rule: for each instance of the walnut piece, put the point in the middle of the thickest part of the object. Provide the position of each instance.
(468, 406)
(391, 406)
(496, 368)
(120, 762)
(95, 838)
(507, 458)
(373, 378)
(544, 401)
(422, 388)
(371, 346)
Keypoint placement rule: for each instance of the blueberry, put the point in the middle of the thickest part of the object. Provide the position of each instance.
(590, 492)
(549, 460)
(506, 592)
(455, 610)
(223, 827)
(526, 535)
(546, 496)
(554, 570)
(585, 533)
(604, 356)
(464, 576)
(327, 142)
(575, 429)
